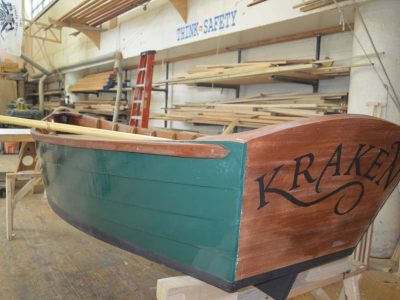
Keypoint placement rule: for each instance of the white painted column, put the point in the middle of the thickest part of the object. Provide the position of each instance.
(383, 22)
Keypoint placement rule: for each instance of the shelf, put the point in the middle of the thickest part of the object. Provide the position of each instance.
(112, 90)
(48, 93)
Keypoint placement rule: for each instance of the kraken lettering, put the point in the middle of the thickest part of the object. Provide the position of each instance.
(379, 166)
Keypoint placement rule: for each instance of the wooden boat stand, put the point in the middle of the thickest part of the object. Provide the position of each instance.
(349, 270)
(346, 270)
(396, 259)
(12, 198)
(28, 169)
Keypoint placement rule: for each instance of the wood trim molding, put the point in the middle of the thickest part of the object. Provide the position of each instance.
(174, 148)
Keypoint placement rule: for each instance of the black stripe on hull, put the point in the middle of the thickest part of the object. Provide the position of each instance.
(210, 279)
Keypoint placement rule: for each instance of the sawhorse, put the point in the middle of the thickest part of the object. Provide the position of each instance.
(189, 288)
(12, 197)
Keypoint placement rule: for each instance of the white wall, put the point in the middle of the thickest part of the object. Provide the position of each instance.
(157, 28)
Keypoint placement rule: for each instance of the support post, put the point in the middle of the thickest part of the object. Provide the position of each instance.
(317, 57)
(11, 198)
(351, 287)
(10, 185)
(166, 93)
(237, 89)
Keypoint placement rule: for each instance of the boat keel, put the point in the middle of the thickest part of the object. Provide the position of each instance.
(278, 288)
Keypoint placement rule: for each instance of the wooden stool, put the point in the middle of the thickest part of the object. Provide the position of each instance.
(12, 198)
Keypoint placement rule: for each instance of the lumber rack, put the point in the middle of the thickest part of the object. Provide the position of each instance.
(164, 90)
(313, 83)
(236, 87)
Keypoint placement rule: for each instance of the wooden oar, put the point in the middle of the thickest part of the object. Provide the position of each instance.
(77, 129)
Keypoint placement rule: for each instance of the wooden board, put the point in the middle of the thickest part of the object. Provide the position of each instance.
(92, 82)
(15, 135)
(93, 12)
(262, 72)
(254, 2)
(333, 175)
(258, 110)
(8, 92)
(314, 4)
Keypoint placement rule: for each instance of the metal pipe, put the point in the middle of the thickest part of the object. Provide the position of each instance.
(35, 65)
(166, 93)
(41, 93)
(117, 69)
(96, 61)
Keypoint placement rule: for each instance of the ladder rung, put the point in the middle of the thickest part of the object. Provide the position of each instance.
(136, 117)
(138, 101)
(139, 85)
(142, 69)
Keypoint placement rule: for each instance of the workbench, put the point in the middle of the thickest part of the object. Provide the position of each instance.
(21, 135)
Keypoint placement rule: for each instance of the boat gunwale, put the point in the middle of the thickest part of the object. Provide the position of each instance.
(173, 148)
(200, 147)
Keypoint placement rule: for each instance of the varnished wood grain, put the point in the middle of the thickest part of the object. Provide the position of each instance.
(282, 233)
(190, 150)
(173, 148)
(290, 216)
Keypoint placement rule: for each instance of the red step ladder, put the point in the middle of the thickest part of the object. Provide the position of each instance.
(141, 99)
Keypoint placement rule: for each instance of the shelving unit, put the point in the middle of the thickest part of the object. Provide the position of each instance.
(53, 90)
(301, 71)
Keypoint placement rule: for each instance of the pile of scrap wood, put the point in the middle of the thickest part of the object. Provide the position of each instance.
(102, 107)
(263, 72)
(94, 83)
(314, 4)
(257, 111)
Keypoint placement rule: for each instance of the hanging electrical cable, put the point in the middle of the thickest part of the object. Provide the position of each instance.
(394, 97)
(376, 51)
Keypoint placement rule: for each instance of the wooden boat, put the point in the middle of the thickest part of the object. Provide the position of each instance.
(248, 208)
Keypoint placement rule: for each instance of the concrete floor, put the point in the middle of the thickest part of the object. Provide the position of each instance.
(49, 259)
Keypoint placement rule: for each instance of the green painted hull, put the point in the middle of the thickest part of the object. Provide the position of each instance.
(184, 211)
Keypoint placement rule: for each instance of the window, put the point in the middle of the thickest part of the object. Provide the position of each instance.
(33, 8)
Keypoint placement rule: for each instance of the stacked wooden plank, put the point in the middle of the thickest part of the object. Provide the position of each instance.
(103, 107)
(262, 72)
(257, 111)
(94, 12)
(314, 4)
(94, 83)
